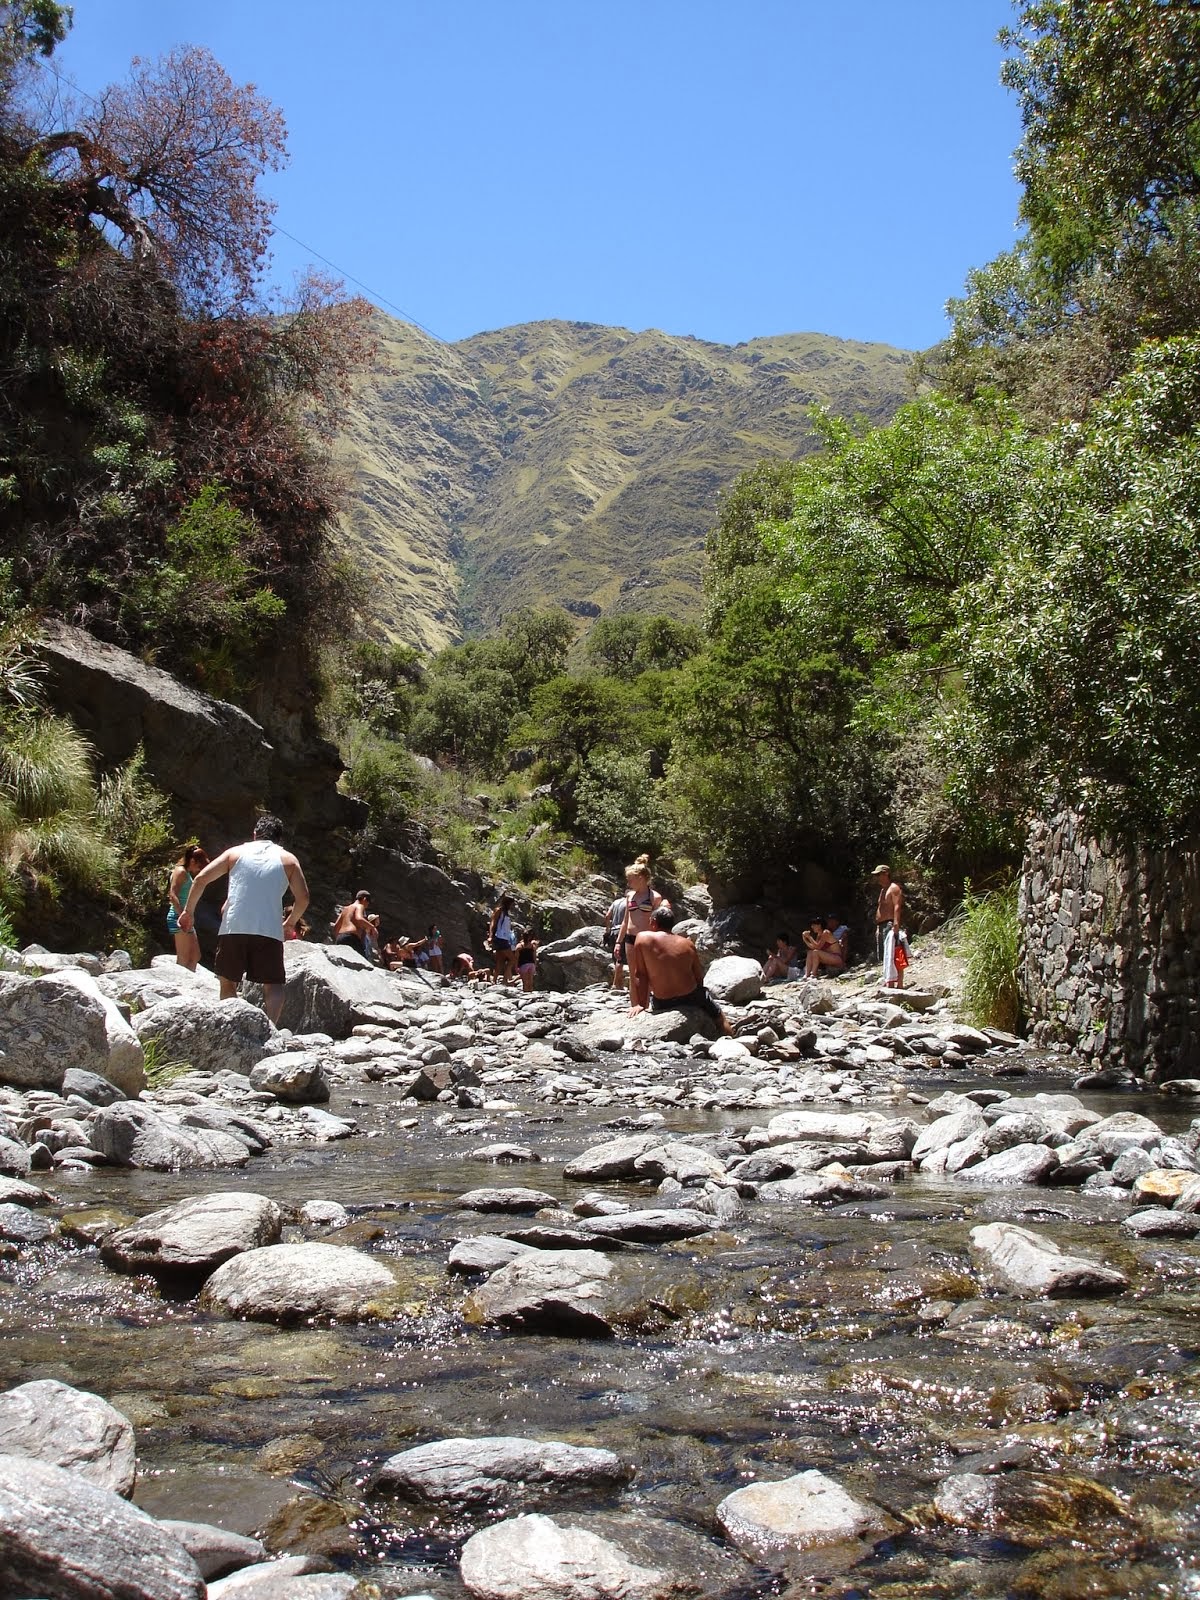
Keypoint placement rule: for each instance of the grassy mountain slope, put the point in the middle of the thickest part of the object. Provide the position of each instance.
(568, 463)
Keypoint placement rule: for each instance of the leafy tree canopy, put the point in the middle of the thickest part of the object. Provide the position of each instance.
(1081, 651)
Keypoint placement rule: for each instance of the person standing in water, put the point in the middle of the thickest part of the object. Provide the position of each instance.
(253, 926)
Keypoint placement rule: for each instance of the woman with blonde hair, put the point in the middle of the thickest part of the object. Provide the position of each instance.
(641, 902)
(190, 864)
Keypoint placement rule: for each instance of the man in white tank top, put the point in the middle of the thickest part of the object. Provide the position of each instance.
(250, 944)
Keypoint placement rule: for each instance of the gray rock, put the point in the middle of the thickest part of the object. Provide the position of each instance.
(294, 1076)
(486, 1253)
(332, 989)
(1188, 1199)
(548, 1291)
(70, 1428)
(14, 1156)
(195, 1235)
(130, 1134)
(210, 1035)
(20, 1225)
(1132, 1163)
(15, 1192)
(569, 965)
(615, 1159)
(536, 1558)
(292, 1282)
(305, 1577)
(1031, 1265)
(215, 1551)
(818, 1188)
(66, 1539)
(1023, 1163)
(324, 1214)
(734, 980)
(1127, 1130)
(827, 1127)
(89, 1086)
(498, 1471)
(686, 1163)
(768, 1521)
(48, 1025)
(647, 1227)
(505, 1200)
(948, 1130)
(1159, 1223)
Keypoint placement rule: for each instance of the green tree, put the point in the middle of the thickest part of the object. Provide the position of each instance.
(1081, 652)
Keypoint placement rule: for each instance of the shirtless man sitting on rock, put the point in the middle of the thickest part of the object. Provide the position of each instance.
(665, 972)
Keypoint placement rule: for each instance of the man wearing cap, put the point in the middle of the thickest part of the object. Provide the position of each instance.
(889, 913)
(250, 944)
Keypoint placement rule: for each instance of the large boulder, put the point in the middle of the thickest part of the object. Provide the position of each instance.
(297, 1077)
(195, 1235)
(52, 1422)
(66, 1539)
(292, 1282)
(734, 980)
(1028, 1264)
(210, 1035)
(129, 1134)
(50, 1024)
(332, 989)
(120, 702)
(566, 965)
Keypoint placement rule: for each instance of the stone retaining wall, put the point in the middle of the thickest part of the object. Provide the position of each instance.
(1111, 949)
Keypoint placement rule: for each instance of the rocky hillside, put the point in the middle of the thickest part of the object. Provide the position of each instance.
(571, 464)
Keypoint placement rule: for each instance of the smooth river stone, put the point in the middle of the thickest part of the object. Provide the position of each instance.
(536, 1558)
(65, 1539)
(819, 1188)
(548, 1291)
(1159, 1223)
(292, 1282)
(768, 1520)
(65, 1427)
(617, 1158)
(195, 1235)
(505, 1200)
(647, 1227)
(215, 1551)
(1031, 1265)
(23, 1226)
(1023, 1163)
(486, 1253)
(497, 1471)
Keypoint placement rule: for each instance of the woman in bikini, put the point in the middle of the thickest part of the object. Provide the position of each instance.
(187, 945)
(641, 902)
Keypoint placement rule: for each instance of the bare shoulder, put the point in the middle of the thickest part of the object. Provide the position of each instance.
(288, 859)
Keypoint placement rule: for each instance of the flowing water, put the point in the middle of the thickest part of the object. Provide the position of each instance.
(854, 1341)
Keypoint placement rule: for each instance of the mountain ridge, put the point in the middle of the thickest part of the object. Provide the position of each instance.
(570, 463)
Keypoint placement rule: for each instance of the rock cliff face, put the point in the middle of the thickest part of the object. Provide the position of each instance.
(218, 768)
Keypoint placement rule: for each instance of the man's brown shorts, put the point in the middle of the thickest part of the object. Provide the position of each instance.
(249, 955)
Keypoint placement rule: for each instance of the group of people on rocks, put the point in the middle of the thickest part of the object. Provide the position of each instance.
(664, 968)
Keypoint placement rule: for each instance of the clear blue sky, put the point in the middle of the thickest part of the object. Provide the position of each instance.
(727, 168)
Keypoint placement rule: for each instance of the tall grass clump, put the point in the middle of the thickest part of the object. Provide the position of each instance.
(987, 935)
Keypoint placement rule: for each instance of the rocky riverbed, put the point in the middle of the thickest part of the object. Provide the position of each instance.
(457, 1292)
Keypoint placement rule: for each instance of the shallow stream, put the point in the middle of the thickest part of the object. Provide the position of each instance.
(856, 1341)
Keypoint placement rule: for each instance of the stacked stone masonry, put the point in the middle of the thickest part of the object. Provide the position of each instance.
(1111, 949)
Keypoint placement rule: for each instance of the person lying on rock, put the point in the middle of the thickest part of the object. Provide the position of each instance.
(665, 972)
(253, 924)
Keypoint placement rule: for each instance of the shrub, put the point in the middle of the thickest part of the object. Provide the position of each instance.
(618, 810)
(987, 934)
(519, 858)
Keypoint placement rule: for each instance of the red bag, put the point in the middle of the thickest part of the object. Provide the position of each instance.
(899, 957)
